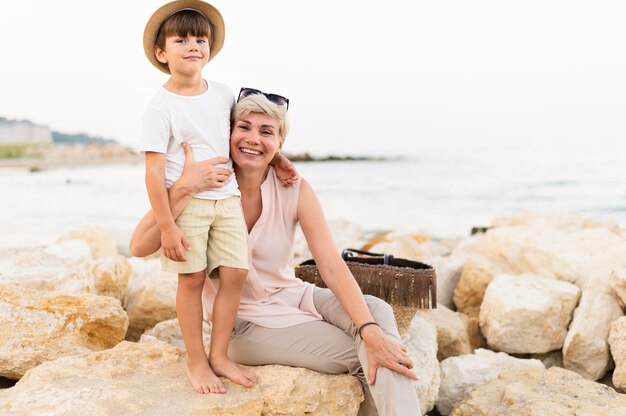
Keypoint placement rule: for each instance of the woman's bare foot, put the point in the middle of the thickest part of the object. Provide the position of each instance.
(225, 367)
(203, 379)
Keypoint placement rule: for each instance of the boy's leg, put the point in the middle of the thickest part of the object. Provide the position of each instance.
(227, 253)
(194, 221)
(224, 312)
(189, 311)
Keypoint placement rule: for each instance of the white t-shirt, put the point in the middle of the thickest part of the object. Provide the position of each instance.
(202, 120)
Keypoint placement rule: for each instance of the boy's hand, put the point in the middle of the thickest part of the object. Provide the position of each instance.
(285, 170)
(200, 176)
(174, 243)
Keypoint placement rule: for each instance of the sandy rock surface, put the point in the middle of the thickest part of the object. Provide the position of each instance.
(35, 328)
(542, 392)
(150, 379)
(461, 375)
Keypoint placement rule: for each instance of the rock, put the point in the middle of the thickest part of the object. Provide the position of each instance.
(100, 243)
(542, 392)
(572, 222)
(108, 276)
(111, 277)
(617, 341)
(35, 328)
(169, 332)
(526, 313)
(586, 349)
(549, 359)
(150, 379)
(70, 251)
(421, 342)
(151, 296)
(574, 255)
(448, 269)
(461, 375)
(453, 337)
(618, 284)
(406, 246)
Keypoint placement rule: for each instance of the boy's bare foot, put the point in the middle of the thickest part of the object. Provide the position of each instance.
(225, 367)
(203, 379)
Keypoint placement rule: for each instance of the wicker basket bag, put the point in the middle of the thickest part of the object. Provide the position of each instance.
(406, 285)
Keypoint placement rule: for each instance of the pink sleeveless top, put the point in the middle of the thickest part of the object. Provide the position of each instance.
(272, 296)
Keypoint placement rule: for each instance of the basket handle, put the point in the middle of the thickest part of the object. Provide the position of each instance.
(349, 252)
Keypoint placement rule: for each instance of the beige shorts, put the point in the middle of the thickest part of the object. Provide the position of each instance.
(217, 234)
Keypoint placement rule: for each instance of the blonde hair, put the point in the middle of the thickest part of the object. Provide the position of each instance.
(258, 103)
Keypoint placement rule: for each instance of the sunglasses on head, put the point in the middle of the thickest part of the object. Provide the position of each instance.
(275, 98)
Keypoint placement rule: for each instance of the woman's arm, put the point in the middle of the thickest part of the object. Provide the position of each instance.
(382, 350)
(196, 177)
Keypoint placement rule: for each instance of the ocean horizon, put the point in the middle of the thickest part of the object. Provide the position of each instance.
(440, 192)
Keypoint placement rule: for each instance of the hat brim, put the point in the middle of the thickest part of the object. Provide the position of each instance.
(166, 11)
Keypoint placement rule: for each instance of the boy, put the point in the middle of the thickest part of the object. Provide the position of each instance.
(210, 234)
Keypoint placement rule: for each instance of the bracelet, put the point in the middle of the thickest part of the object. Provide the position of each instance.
(366, 324)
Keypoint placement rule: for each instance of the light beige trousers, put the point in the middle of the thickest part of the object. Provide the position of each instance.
(330, 346)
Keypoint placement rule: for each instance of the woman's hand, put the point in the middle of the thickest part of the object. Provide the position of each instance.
(200, 176)
(384, 351)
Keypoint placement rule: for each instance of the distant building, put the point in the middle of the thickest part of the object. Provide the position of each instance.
(23, 132)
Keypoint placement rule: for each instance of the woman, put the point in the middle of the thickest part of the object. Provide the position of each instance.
(282, 320)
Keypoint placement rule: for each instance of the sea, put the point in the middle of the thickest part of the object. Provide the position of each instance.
(440, 191)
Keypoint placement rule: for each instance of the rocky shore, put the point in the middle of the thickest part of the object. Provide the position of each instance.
(37, 157)
(530, 321)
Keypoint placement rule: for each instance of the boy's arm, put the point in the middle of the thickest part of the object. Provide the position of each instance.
(172, 239)
(285, 170)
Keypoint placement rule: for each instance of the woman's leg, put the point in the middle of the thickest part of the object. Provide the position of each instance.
(392, 392)
(316, 345)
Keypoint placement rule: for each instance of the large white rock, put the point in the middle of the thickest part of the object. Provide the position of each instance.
(571, 222)
(454, 334)
(461, 375)
(421, 342)
(618, 284)
(151, 296)
(539, 392)
(526, 313)
(38, 269)
(150, 379)
(71, 251)
(575, 255)
(586, 348)
(35, 328)
(617, 341)
(448, 269)
(100, 243)
(407, 246)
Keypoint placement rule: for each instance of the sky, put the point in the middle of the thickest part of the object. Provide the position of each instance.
(363, 77)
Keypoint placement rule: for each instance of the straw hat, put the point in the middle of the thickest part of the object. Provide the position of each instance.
(168, 10)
